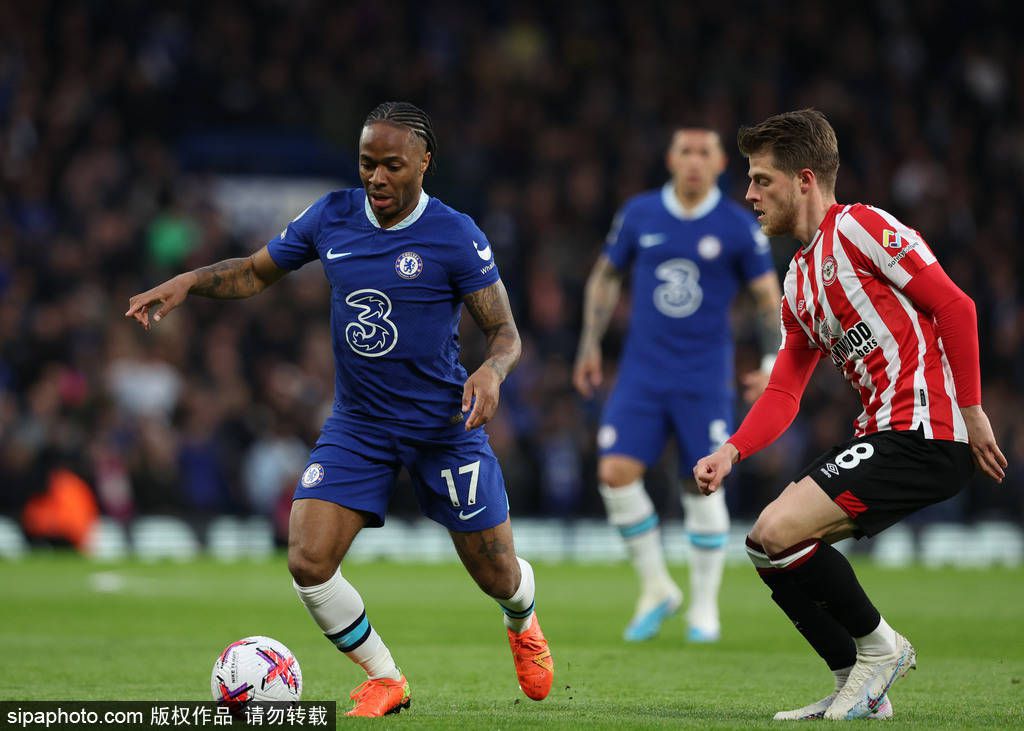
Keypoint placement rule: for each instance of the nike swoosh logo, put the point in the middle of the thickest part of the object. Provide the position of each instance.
(464, 516)
(646, 241)
(332, 255)
(484, 253)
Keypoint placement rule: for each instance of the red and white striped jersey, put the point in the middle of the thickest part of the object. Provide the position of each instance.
(843, 296)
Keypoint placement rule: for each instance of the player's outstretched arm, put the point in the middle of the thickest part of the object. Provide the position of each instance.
(604, 286)
(493, 315)
(228, 279)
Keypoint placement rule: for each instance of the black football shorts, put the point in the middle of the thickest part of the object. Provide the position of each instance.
(881, 478)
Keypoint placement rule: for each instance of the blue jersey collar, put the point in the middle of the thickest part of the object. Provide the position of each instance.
(673, 206)
(405, 222)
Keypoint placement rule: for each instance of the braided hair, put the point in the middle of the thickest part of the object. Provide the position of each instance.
(407, 115)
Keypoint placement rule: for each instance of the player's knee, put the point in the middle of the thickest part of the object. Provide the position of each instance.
(617, 472)
(307, 568)
(499, 582)
(773, 532)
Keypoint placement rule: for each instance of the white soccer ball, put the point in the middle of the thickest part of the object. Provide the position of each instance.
(256, 669)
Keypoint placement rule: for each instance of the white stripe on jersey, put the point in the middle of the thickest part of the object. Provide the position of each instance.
(959, 425)
(866, 311)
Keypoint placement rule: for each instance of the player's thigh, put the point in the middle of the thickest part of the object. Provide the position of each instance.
(635, 423)
(879, 479)
(802, 512)
(352, 467)
(458, 481)
(702, 423)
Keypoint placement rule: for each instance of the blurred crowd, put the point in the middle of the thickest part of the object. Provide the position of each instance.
(116, 118)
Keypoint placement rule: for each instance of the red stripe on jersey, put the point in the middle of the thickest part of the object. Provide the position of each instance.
(850, 503)
(894, 318)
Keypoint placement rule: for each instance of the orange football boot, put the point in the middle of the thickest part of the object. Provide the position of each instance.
(534, 665)
(380, 697)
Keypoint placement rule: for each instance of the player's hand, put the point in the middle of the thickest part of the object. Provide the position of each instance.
(710, 471)
(481, 392)
(586, 374)
(984, 449)
(754, 384)
(170, 294)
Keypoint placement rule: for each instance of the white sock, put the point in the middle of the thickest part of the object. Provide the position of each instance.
(630, 510)
(882, 641)
(841, 675)
(337, 607)
(707, 526)
(518, 608)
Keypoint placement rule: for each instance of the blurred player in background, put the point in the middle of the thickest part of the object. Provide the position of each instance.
(866, 292)
(690, 250)
(400, 265)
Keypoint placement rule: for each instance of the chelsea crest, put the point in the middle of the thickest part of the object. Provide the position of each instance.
(313, 475)
(409, 264)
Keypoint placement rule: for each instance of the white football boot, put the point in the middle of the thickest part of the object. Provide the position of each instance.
(817, 710)
(870, 680)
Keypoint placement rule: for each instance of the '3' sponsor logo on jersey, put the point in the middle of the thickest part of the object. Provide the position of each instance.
(371, 334)
(680, 294)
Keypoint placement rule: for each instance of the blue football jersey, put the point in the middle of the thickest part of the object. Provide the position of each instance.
(686, 268)
(396, 297)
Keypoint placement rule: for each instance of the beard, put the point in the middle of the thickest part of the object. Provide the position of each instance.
(783, 221)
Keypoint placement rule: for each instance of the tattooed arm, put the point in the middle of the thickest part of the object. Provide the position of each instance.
(602, 294)
(228, 279)
(493, 314)
(767, 302)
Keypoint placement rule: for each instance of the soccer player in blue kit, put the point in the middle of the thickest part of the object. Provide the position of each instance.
(400, 265)
(689, 250)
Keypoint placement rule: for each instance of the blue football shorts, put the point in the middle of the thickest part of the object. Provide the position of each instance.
(639, 418)
(455, 474)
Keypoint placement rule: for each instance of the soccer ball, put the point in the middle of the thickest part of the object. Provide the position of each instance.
(256, 669)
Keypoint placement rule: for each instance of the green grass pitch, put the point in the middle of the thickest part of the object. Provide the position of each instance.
(75, 630)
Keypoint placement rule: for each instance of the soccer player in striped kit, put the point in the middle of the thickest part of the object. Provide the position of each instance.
(865, 292)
